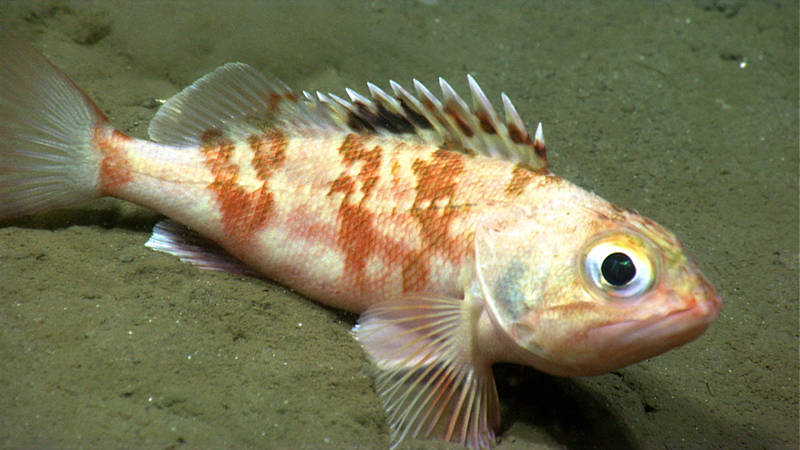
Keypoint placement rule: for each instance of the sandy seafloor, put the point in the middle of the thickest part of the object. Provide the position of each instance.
(685, 114)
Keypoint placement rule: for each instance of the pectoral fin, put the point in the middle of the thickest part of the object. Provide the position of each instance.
(431, 379)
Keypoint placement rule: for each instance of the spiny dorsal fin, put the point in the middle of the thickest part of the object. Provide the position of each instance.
(450, 122)
(238, 100)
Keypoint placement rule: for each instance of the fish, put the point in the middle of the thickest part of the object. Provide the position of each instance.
(436, 221)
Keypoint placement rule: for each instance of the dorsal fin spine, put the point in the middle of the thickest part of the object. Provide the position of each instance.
(238, 101)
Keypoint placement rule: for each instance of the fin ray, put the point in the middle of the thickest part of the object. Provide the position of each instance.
(449, 122)
(238, 100)
(431, 384)
(48, 158)
(176, 239)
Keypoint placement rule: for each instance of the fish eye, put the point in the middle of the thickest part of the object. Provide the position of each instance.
(620, 266)
(618, 269)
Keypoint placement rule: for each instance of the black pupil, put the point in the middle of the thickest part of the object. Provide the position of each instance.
(618, 269)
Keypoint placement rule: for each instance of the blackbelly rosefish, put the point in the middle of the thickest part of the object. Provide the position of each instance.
(438, 222)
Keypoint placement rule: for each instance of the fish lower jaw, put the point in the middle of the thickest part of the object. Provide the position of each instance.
(613, 346)
(625, 343)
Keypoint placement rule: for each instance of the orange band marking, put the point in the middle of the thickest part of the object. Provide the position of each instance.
(115, 170)
(243, 212)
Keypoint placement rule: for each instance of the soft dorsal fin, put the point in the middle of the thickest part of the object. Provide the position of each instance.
(235, 99)
(238, 100)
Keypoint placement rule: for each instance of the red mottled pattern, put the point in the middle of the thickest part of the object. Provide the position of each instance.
(347, 219)
(269, 152)
(115, 170)
(434, 209)
(404, 212)
(365, 234)
(521, 178)
(275, 99)
(356, 234)
(243, 213)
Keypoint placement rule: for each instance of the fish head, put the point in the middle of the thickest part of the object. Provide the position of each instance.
(578, 286)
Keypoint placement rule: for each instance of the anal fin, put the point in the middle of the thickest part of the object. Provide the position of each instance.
(176, 239)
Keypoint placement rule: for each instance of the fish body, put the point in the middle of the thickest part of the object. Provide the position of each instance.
(437, 222)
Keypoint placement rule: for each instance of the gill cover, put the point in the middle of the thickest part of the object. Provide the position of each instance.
(546, 282)
(508, 281)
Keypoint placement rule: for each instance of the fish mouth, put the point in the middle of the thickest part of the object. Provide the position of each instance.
(624, 343)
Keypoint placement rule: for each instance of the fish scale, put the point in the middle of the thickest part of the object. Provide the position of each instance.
(369, 188)
(438, 223)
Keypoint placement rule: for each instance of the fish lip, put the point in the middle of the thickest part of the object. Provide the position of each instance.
(631, 341)
(705, 307)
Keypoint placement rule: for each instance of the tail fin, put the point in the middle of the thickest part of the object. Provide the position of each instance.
(47, 126)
